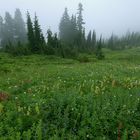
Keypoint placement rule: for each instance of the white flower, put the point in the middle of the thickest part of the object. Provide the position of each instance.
(16, 98)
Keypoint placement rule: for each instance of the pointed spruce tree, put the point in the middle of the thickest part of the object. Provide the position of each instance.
(1, 31)
(99, 53)
(30, 34)
(73, 30)
(19, 26)
(8, 35)
(64, 27)
(93, 40)
(38, 36)
(89, 40)
(80, 23)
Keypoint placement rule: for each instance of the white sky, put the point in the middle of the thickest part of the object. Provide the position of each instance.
(105, 16)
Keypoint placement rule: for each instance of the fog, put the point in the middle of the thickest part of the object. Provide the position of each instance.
(105, 16)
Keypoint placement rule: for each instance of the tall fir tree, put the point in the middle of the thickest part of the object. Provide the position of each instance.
(73, 30)
(83, 43)
(8, 35)
(99, 53)
(38, 36)
(1, 30)
(19, 25)
(30, 33)
(50, 43)
(64, 27)
(93, 40)
(80, 23)
(89, 40)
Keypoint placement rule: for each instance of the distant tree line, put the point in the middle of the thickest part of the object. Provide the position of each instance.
(19, 38)
(129, 40)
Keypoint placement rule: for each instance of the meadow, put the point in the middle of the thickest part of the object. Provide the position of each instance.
(50, 98)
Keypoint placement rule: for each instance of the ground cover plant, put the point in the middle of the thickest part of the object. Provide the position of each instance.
(47, 97)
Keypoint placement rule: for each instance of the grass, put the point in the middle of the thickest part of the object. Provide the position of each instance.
(45, 97)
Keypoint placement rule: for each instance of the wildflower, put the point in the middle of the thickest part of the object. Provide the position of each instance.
(124, 106)
(28, 113)
(16, 97)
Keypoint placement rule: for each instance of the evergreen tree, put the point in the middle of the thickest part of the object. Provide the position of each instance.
(73, 30)
(80, 23)
(83, 42)
(50, 42)
(1, 30)
(49, 37)
(19, 25)
(38, 36)
(56, 41)
(89, 40)
(99, 53)
(93, 40)
(8, 35)
(30, 33)
(64, 26)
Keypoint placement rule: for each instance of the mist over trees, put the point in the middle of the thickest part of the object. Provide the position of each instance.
(12, 29)
(19, 38)
(129, 40)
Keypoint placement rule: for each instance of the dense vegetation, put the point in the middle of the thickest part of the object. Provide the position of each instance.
(18, 39)
(47, 97)
(56, 88)
(15, 39)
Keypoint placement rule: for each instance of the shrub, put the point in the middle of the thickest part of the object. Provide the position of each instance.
(83, 59)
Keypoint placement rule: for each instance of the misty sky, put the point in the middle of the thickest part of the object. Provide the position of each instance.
(105, 16)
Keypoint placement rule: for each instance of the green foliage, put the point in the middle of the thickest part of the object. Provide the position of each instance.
(30, 33)
(18, 49)
(38, 37)
(93, 40)
(54, 46)
(70, 52)
(89, 39)
(20, 33)
(8, 29)
(35, 36)
(83, 58)
(55, 98)
(71, 30)
(99, 53)
(64, 27)
(12, 29)
(71, 33)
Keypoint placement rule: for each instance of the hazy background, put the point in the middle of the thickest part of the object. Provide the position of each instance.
(105, 16)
